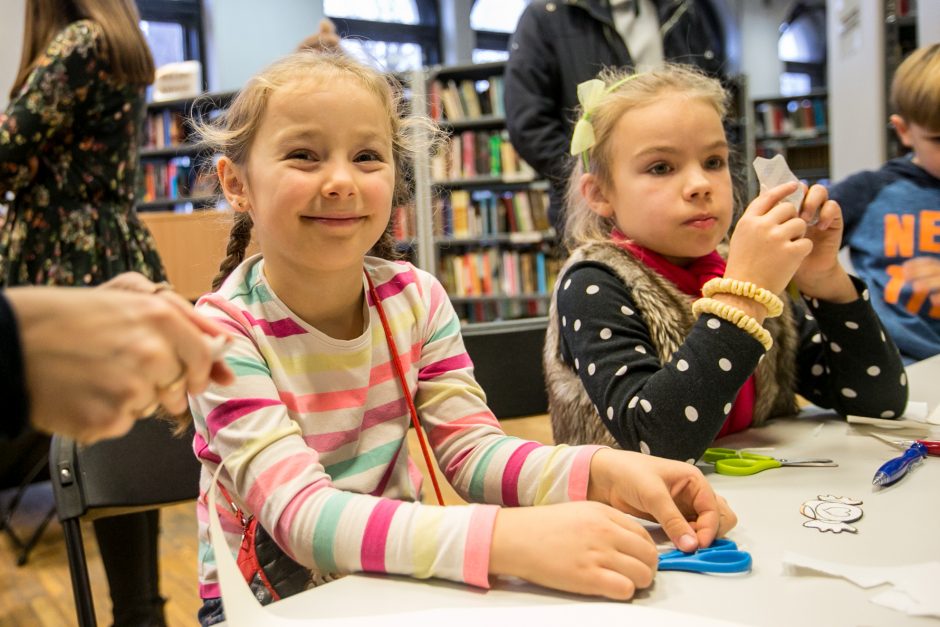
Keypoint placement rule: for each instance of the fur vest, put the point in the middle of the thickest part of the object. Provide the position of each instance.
(668, 315)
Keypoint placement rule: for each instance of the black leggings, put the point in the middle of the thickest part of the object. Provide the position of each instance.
(129, 550)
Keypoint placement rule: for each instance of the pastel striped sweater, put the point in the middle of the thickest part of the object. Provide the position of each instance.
(313, 435)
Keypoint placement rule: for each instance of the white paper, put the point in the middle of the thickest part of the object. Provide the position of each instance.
(774, 172)
(914, 589)
(914, 417)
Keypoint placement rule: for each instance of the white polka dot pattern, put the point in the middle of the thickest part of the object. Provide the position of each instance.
(646, 405)
(641, 349)
(626, 310)
(727, 408)
(725, 364)
(887, 414)
(713, 323)
(567, 284)
(591, 369)
(851, 325)
(622, 370)
(644, 448)
(592, 289)
(577, 324)
(691, 413)
(817, 370)
(682, 365)
(835, 348)
(606, 334)
(610, 413)
(577, 364)
(873, 371)
(849, 393)
(633, 402)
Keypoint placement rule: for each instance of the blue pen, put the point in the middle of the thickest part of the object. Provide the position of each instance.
(894, 469)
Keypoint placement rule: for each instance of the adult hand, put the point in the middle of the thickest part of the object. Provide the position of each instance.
(768, 244)
(674, 494)
(582, 547)
(98, 359)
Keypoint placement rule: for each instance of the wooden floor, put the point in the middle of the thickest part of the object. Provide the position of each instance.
(40, 593)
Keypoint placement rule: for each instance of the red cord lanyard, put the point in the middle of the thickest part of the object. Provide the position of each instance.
(404, 387)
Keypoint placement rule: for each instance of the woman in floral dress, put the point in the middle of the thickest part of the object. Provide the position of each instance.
(69, 164)
(68, 147)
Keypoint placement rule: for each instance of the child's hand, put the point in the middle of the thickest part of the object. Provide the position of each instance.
(820, 275)
(768, 244)
(671, 493)
(923, 273)
(583, 547)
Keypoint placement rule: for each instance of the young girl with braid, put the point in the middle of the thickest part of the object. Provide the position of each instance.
(312, 435)
(662, 334)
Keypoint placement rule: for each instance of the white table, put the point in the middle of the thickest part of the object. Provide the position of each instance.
(899, 527)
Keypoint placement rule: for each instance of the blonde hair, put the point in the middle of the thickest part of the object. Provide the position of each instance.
(915, 89)
(581, 224)
(233, 132)
(123, 43)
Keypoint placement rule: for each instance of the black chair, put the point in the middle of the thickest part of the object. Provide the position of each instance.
(146, 469)
(507, 360)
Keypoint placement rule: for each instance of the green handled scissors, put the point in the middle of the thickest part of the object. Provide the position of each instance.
(729, 461)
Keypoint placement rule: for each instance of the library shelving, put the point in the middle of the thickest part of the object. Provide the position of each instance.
(796, 127)
(493, 245)
(173, 178)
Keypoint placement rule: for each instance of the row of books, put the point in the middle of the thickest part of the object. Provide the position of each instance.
(488, 311)
(473, 214)
(164, 129)
(498, 272)
(466, 99)
(175, 178)
(403, 223)
(800, 117)
(479, 153)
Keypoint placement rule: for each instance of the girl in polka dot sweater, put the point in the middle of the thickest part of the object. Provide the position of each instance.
(665, 335)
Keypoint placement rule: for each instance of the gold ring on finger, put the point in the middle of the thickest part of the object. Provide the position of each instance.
(149, 409)
(177, 384)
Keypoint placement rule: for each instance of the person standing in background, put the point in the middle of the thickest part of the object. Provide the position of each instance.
(69, 144)
(560, 44)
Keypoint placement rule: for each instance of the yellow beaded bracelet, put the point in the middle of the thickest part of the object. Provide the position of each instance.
(765, 297)
(735, 316)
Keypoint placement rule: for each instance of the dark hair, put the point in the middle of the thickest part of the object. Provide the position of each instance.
(122, 42)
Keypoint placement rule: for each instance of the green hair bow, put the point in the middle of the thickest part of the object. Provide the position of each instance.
(590, 94)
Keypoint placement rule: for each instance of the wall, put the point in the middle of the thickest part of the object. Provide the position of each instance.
(11, 42)
(243, 36)
(759, 28)
(855, 48)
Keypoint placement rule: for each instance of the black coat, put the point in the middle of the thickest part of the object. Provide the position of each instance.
(562, 43)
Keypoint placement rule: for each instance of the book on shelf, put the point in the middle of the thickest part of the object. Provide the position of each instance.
(457, 100)
(467, 214)
(479, 153)
(797, 116)
(165, 128)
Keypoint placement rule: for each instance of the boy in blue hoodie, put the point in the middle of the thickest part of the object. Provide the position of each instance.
(892, 215)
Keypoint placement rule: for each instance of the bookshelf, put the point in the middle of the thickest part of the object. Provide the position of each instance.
(172, 177)
(493, 245)
(900, 20)
(796, 127)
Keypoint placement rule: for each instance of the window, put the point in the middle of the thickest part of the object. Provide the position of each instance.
(396, 35)
(802, 48)
(494, 21)
(173, 28)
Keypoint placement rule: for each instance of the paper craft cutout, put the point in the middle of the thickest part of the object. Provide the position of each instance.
(832, 513)
(775, 171)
